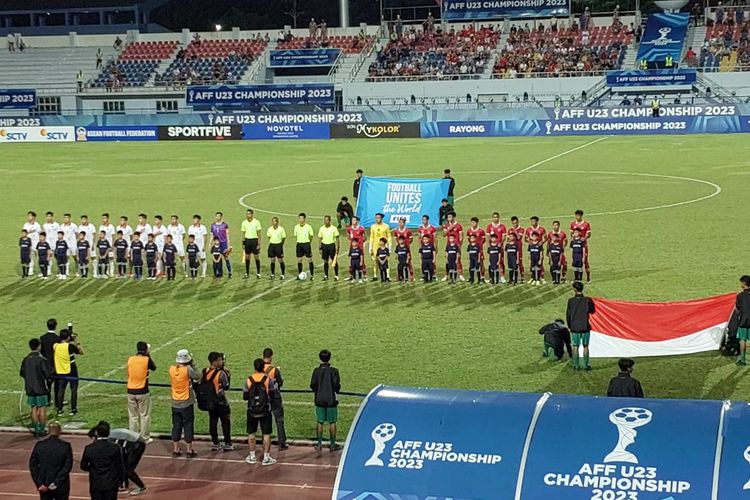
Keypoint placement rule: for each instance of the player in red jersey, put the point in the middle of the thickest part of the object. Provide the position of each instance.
(541, 234)
(427, 229)
(356, 232)
(404, 232)
(453, 228)
(479, 235)
(562, 239)
(584, 230)
(519, 232)
(499, 230)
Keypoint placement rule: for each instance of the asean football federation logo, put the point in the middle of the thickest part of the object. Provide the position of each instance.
(627, 420)
(380, 435)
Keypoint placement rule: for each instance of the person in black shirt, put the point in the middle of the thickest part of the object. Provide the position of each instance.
(36, 373)
(494, 253)
(556, 252)
(403, 254)
(624, 385)
(103, 461)
(48, 341)
(24, 243)
(452, 252)
(475, 253)
(193, 253)
(84, 251)
(446, 208)
(217, 254)
(50, 465)
(136, 255)
(357, 181)
(102, 254)
(355, 261)
(427, 252)
(556, 337)
(578, 255)
(451, 186)
(382, 254)
(61, 256)
(170, 256)
(511, 252)
(152, 255)
(535, 260)
(43, 251)
(580, 308)
(326, 384)
(344, 212)
(742, 307)
(121, 255)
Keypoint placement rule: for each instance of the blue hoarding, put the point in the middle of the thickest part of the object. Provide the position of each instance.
(108, 134)
(494, 9)
(664, 35)
(259, 95)
(396, 198)
(432, 443)
(636, 78)
(286, 131)
(303, 57)
(280, 118)
(17, 98)
(734, 476)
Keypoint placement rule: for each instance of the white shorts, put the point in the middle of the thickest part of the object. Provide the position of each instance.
(180, 250)
(202, 255)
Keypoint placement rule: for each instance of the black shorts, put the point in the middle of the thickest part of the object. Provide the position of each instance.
(265, 423)
(251, 246)
(304, 250)
(276, 250)
(328, 251)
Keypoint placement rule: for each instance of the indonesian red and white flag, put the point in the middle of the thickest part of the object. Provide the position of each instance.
(632, 329)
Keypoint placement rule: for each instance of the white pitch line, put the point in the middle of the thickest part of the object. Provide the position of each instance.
(193, 330)
(530, 167)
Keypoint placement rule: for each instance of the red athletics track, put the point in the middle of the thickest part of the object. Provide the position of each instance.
(299, 474)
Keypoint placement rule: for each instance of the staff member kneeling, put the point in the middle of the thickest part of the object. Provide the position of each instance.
(133, 446)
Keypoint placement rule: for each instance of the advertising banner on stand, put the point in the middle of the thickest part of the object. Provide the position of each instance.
(110, 134)
(286, 131)
(259, 95)
(303, 57)
(37, 134)
(200, 132)
(375, 131)
(17, 98)
(454, 10)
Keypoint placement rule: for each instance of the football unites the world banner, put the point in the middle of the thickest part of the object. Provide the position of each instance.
(400, 198)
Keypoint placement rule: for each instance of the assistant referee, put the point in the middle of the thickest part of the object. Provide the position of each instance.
(251, 228)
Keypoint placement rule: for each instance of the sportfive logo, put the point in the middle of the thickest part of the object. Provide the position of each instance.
(202, 132)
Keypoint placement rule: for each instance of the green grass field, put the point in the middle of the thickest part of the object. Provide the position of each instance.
(437, 335)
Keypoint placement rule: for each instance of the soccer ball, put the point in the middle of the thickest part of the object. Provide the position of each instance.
(384, 432)
(302, 276)
(631, 417)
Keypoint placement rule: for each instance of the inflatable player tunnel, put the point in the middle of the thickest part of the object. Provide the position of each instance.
(438, 444)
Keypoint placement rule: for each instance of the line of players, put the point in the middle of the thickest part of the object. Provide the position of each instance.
(146, 252)
(504, 250)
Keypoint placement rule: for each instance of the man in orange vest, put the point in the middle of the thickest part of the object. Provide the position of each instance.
(219, 377)
(257, 394)
(182, 375)
(139, 397)
(277, 406)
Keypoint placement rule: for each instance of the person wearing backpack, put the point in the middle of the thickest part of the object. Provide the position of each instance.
(277, 405)
(211, 395)
(182, 375)
(326, 384)
(257, 394)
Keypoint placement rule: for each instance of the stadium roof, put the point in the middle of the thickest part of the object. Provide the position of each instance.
(15, 5)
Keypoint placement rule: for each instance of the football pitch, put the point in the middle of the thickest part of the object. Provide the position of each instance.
(669, 217)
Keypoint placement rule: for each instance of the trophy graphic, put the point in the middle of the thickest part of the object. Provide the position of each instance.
(380, 435)
(557, 113)
(627, 420)
(548, 124)
(747, 457)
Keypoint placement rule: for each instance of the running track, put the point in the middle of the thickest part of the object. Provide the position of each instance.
(299, 474)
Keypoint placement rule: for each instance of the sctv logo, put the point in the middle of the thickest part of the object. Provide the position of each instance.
(53, 136)
(14, 136)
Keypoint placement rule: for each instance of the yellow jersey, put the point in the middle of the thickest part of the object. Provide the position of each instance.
(378, 231)
(250, 229)
(328, 235)
(276, 236)
(303, 234)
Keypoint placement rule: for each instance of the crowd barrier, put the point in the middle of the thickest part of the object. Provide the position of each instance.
(434, 443)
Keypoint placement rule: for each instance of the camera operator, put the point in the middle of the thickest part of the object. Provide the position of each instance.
(182, 375)
(219, 377)
(65, 366)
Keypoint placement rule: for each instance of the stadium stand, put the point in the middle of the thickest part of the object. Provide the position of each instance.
(442, 55)
(725, 47)
(135, 64)
(562, 52)
(349, 44)
(212, 61)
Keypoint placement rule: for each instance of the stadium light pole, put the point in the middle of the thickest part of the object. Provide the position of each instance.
(344, 13)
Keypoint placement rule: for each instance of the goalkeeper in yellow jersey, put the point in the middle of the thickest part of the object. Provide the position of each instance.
(378, 230)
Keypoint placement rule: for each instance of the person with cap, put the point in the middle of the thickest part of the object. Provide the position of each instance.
(624, 385)
(139, 396)
(579, 311)
(182, 375)
(102, 459)
(50, 465)
(556, 340)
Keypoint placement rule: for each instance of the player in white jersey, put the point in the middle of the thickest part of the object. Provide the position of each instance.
(199, 232)
(50, 226)
(159, 230)
(127, 231)
(70, 232)
(32, 228)
(109, 234)
(143, 227)
(177, 231)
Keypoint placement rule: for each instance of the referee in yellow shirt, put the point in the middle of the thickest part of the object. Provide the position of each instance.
(251, 241)
(378, 230)
(276, 236)
(329, 247)
(303, 233)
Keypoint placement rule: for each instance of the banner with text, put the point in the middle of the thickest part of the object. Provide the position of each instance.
(303, 57)
(197, 133)
(396, 198)
(375, 131)
(37, 134)
(495, 9)
(286, 131)
(116, 134)
(664, 35)
(280, 118)
(17, 98)
(636, 78)
(734, 476)
(259, 95)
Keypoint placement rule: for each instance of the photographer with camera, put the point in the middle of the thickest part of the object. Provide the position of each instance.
(139, 396)
(182, 376)
(64, 356)
(211, 395)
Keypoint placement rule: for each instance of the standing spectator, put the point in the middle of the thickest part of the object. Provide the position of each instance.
(624, 385)
(326, 384)
(323, 29)
(357, 181)
(556, 340)
(399, 26)
(257, 393)
(219, 377)
(133, 446)
(742, 305)
(118, 44)
(139, 395)
(451, 187)
(277, 405)
(580, 308)
(103, 461)
(48, 341)
(11, 43)
(65, 366)
(50, 465)
(36, 373)
(99, 58)
(182, 375)
(20, 43)
(79, 80)
(312, 28)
